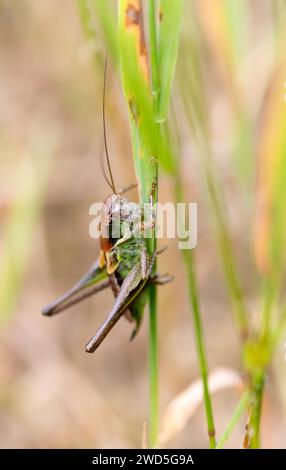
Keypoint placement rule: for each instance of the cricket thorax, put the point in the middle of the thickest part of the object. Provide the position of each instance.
(120, 221)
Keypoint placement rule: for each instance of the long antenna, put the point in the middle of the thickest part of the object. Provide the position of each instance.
(103, 168)
(111, 182)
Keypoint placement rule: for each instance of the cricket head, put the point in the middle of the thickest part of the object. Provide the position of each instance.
(117, 216)
(110, 216)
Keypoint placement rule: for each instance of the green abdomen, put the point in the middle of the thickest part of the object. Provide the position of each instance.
(129, 255)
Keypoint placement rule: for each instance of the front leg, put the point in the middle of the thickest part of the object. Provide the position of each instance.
(146, 263)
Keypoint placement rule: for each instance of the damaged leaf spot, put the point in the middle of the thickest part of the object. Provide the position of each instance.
(134, 110)
(160, 15)
(132, 15)
(134, 22)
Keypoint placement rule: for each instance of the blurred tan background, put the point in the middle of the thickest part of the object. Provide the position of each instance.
(53, 394)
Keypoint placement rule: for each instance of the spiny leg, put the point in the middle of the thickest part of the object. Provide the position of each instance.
(88, 280)
(115, 287)
(132, 286)
(121, 303)
(49, 311)
(103, 331)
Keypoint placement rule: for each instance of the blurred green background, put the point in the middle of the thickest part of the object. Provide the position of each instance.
(52, 394)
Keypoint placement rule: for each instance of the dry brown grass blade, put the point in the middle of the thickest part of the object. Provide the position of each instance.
(270, 195)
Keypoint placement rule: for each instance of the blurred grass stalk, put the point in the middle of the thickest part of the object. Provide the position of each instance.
(270, 234)
(22, 219)
(197, 113)
(193, 95)
(171, 15)
(171, 19)
(270, 227)
(225, 25)
(192, 91)
(190, 269)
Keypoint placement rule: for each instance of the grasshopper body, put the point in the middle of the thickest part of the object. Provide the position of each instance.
(123, 264)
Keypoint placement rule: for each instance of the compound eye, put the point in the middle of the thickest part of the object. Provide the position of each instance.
(131, 212)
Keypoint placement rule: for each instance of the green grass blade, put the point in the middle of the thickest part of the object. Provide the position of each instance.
(94, 13)
(192, 87)
(106, 16)
(239, 409)
(135, 79)
(169, 33)
(22, 219)
(189, 263)
(153, 42)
